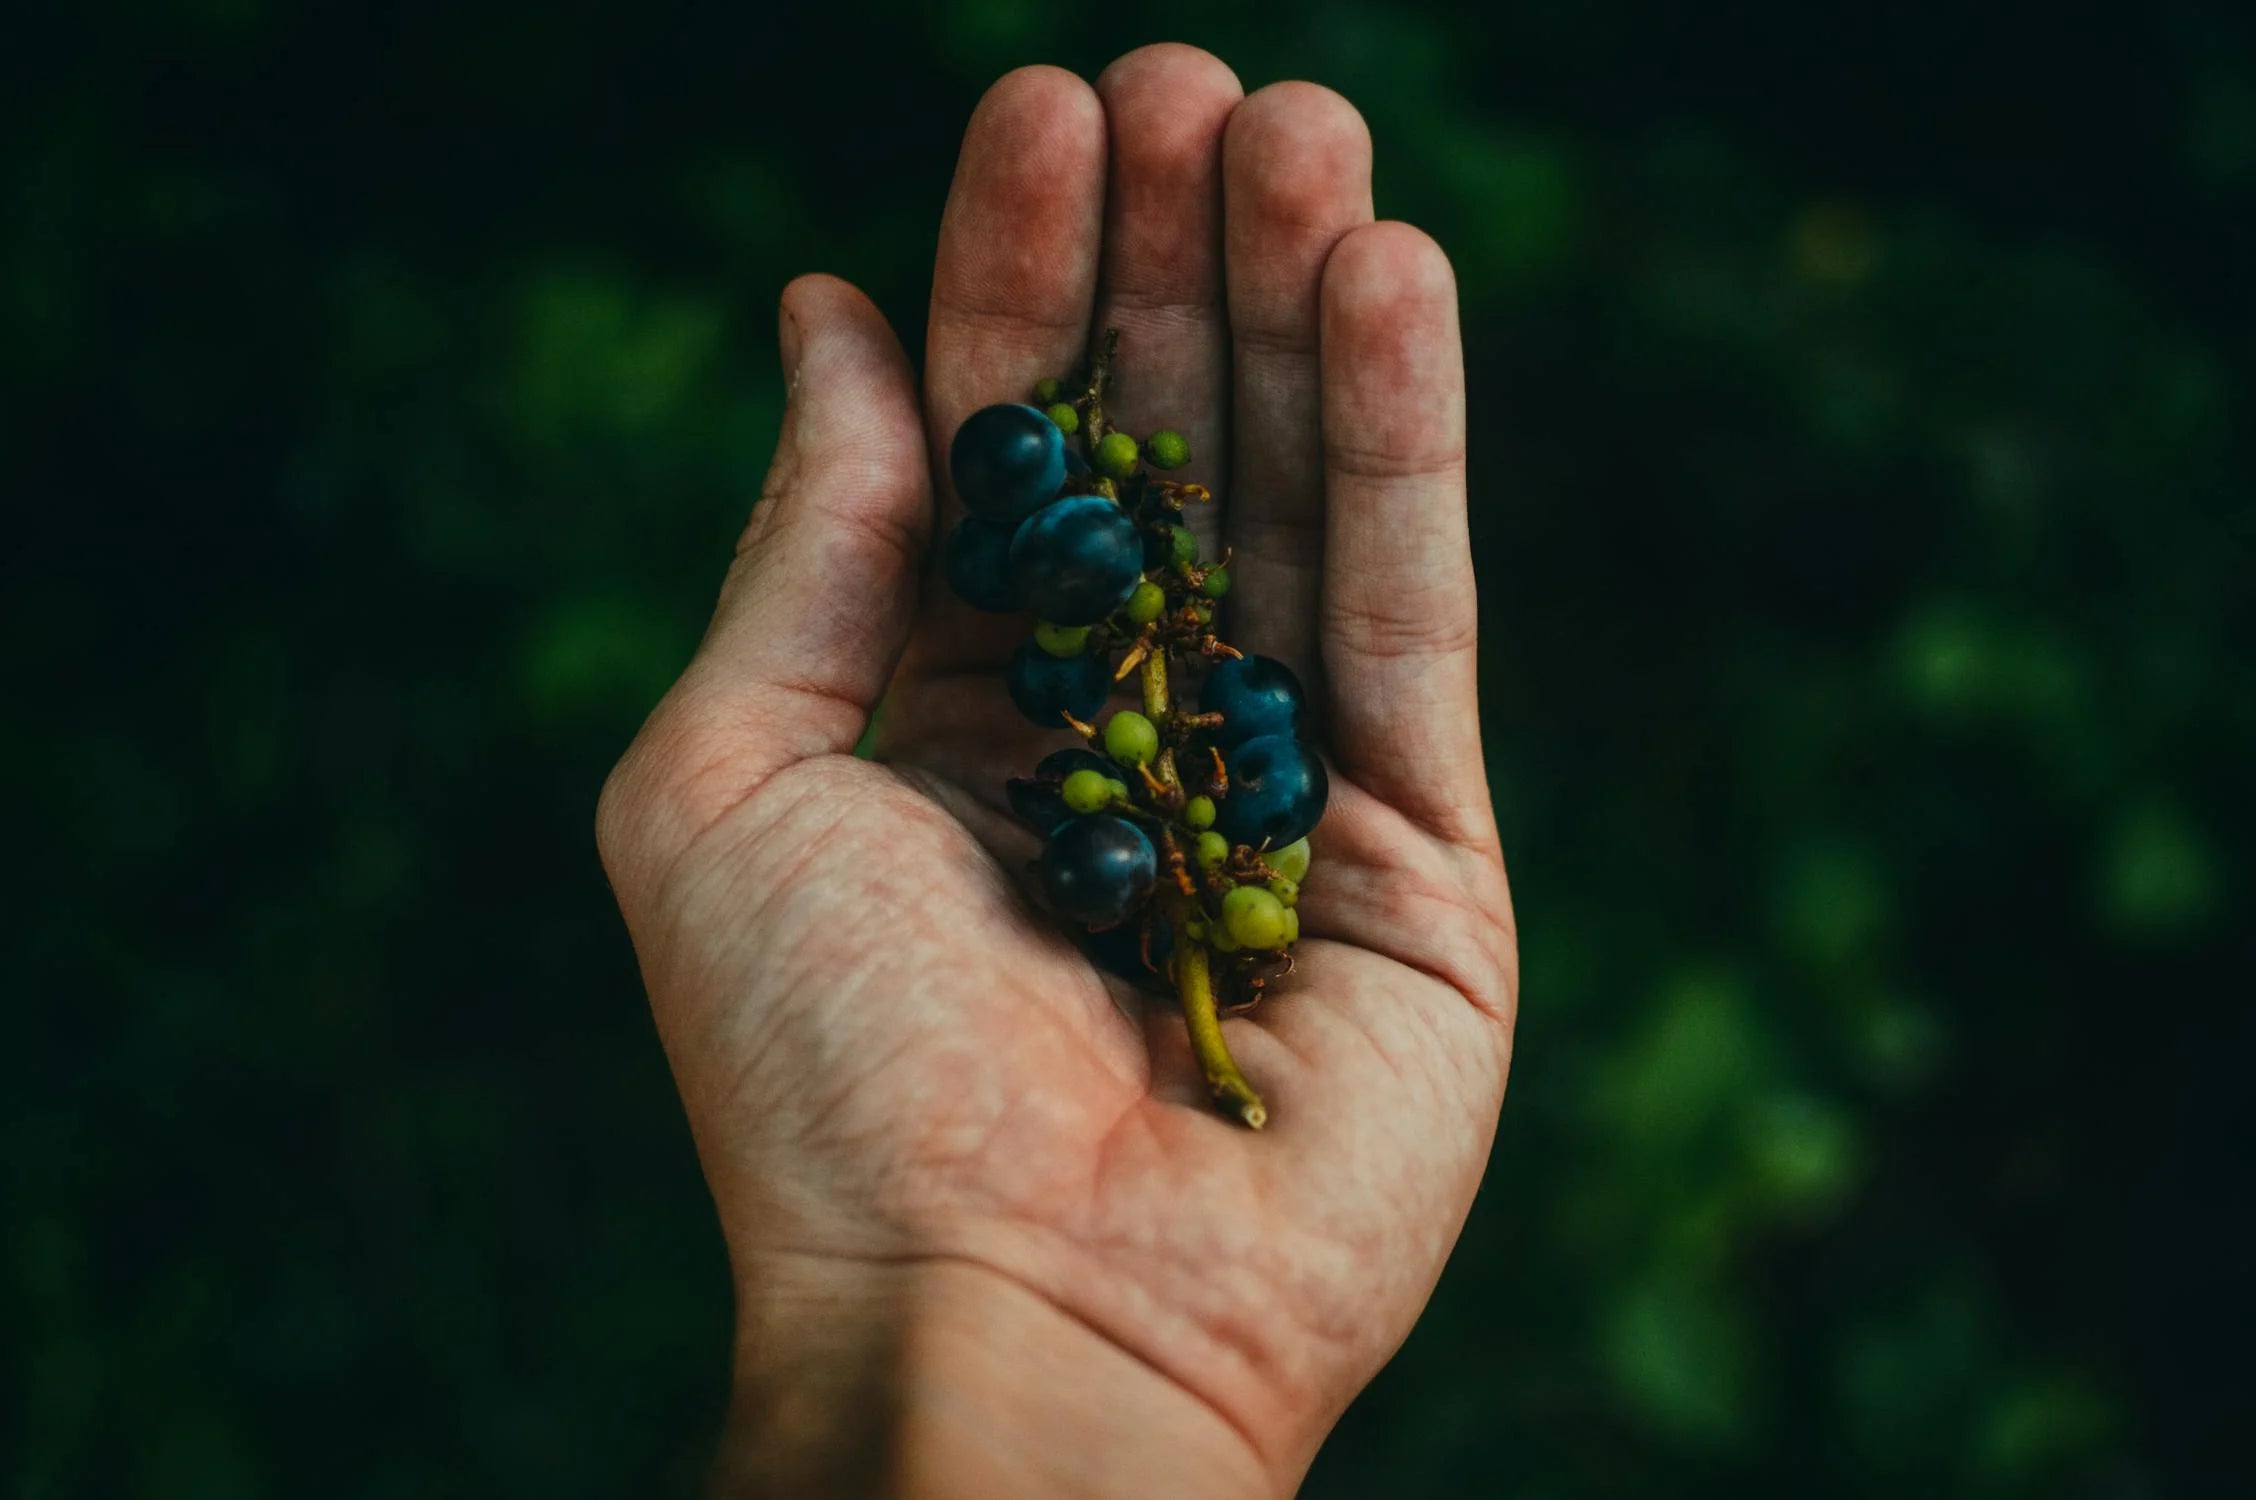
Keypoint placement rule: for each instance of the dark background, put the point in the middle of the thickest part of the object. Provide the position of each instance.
(1864, 519)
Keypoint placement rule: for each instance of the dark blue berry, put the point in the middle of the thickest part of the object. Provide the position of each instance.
(1006, 460)
(1097, 870)
(1157, 545)
(1255, 695)
(1076, 467)
(1047, 687)
(1278, 788)
(978, 565)
(1036, 799)
(1078, 560)
(1120, 950)
(1059, 764)
(1036, 803)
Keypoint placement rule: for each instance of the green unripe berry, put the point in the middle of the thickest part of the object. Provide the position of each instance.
(1067, 419)
(1254, 917)
(1182, 545)
(1047, 390)
(1131, 739)
(1195, 931)
(1292, 926)
(1061, 640)
(1220, 937)
(1087, 790)
(1118, 788)
(1203, 613)
(1211, 851)
(1290, 861)
(1115, 457)
(1286, 891)
(1216, 583)
(1167, 449)
(1199, 812)
(1145, 605)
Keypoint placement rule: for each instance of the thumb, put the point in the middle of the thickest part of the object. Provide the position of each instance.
(816, 605)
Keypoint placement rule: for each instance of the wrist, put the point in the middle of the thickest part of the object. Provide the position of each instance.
(933, 1379)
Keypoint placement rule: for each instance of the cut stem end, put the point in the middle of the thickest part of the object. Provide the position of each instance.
(1194, 984)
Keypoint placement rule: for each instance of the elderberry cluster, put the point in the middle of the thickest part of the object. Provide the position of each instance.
(1168, 827)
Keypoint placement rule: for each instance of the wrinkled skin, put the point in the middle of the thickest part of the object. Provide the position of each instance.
(892, 1066)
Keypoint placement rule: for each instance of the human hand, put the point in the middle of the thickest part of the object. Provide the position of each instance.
(988, 1237)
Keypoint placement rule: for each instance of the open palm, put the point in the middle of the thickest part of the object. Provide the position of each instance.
(890, 1060)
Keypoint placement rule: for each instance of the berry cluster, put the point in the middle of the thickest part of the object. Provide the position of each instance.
(1176, 839)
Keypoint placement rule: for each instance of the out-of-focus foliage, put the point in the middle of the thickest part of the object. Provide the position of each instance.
(1864, 512)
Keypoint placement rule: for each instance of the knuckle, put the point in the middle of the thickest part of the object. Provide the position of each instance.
(1391, 623)
(1385, 457)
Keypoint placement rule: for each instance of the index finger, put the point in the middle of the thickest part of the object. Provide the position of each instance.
(1013, 284)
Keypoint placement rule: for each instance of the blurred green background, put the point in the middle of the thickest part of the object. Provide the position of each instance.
(1864, 518)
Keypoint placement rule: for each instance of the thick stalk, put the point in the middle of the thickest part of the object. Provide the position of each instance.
(1194, 968)
(1194, 984)
(1155, 688)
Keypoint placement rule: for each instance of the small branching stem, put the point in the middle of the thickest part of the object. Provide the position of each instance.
(1094, 423)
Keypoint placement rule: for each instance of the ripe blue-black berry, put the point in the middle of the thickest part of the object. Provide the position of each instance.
(1076, 561)
(1278, 789)
(1120, 950)
(1047, 687)
(1007, 460)
(978, 565)
(1059, 764)
(1255, 695)
(1098, 869)
(1038, 804)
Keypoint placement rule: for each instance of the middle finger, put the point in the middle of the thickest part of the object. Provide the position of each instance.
(1161, 279)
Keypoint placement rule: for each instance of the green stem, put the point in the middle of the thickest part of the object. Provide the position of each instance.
(1194, 984)
(1155, 687)
(1194, 966)
(1095, 424)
